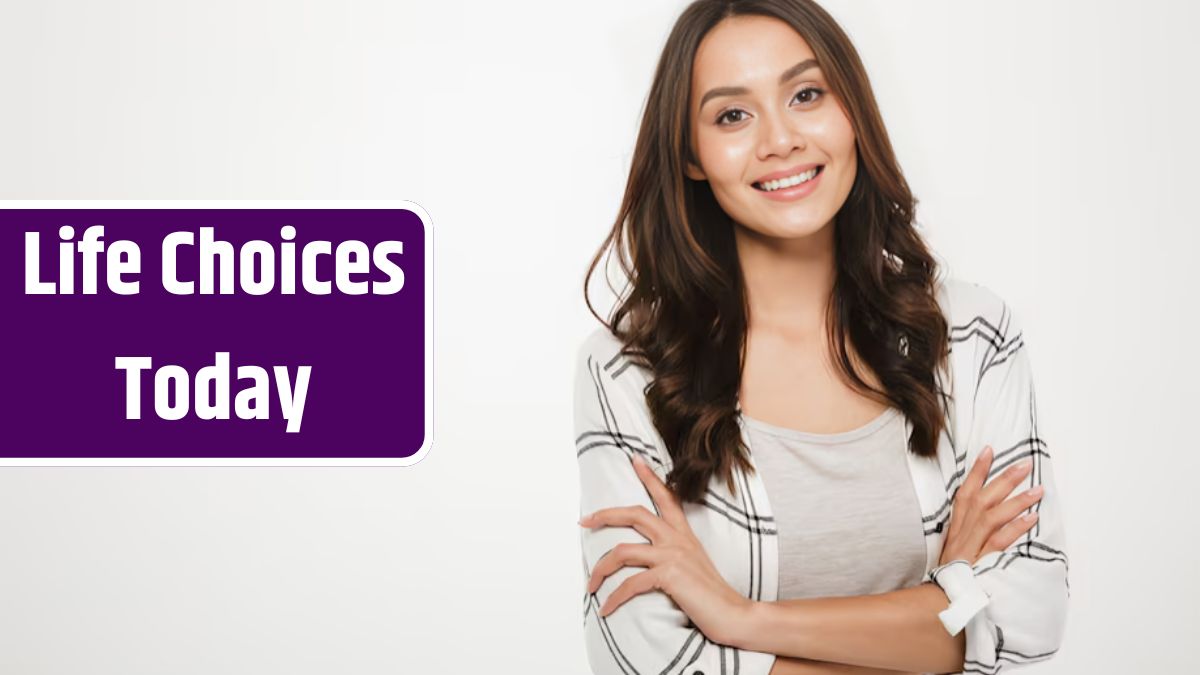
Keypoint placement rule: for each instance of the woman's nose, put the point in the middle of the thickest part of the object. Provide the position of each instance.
(779, 136)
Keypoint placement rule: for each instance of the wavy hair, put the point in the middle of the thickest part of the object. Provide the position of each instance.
(683, 315)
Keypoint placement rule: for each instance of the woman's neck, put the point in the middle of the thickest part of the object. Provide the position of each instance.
(788, 281)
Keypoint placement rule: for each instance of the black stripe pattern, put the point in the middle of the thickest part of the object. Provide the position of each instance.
(1002, 370)
(992, 394)
(608, 432)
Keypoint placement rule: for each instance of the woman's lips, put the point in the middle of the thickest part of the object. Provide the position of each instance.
(794, 192)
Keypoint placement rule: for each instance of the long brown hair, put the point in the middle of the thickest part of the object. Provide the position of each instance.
(684, 313)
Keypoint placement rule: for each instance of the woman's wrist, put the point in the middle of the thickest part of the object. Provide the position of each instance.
(741, 624)
(754, 617)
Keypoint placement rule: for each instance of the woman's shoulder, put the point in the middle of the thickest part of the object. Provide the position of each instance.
(967, 303)
(983, 329)
(601, 354)
(598, 345)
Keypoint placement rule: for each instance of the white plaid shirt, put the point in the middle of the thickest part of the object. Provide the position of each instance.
(990, 401)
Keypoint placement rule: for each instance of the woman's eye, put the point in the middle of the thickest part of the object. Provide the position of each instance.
(806, 95)
(815, 91)
(727, 113)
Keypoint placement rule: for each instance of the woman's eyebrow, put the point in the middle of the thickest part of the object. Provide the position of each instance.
(737, 91)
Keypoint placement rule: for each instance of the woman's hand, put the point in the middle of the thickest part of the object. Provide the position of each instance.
(981, 523)
(677, 562)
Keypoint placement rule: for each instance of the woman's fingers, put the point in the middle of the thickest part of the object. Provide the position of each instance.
(1010, 508)
(976, 477)
(1004, 484)
(1003, 529)
(668, 506)
(634, 585)
(967, 528)
(962, 538)
(617, 557)
(638, 517)
(1006, 535)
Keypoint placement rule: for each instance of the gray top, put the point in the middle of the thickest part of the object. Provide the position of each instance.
(845, 506)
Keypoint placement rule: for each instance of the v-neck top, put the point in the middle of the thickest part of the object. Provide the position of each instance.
(845, 507)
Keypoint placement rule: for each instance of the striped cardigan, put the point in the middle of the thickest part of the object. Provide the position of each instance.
(990, 401)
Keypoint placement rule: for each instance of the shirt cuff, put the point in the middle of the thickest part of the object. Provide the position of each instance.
(957, 580)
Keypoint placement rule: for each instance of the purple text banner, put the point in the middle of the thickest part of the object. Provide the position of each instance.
(274, 333)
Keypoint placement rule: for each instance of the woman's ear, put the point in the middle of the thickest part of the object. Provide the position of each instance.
(694, 171)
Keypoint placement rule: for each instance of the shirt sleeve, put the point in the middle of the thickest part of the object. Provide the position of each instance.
(1027, 583)
(648, 634)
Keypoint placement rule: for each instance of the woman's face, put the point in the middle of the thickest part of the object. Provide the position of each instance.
(750, 128)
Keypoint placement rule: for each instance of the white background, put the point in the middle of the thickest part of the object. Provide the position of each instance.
(1051, 144)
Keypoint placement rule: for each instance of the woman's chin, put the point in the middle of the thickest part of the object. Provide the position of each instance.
(799, 228)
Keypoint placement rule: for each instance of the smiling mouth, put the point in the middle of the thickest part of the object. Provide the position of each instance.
(790, 181)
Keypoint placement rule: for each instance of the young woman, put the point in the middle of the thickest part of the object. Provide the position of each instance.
(784, 430)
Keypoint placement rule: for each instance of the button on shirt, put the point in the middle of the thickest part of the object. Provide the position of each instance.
(845, 506)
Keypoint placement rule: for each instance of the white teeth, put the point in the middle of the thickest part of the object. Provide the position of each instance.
(772, 185)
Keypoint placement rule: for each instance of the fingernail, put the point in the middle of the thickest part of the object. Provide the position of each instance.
(638, 460)
(1030, 517)
(1024, 464)
(1035, 491)
(987, 452)
(584, 520)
